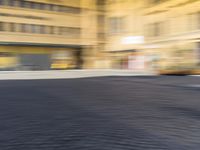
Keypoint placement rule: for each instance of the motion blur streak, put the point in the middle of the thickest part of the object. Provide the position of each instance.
(95, 74)
(151, 35)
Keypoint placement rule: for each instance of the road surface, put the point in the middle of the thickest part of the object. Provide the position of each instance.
(104, 113)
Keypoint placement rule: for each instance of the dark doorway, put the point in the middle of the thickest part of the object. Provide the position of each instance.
(79, 58)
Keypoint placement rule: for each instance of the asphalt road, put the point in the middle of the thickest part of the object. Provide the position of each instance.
(106, 113)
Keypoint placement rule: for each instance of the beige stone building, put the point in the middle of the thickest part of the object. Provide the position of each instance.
(44, 34)
(173, 32)
(126, 34)
(164, 30)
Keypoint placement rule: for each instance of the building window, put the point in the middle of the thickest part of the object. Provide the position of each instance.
(63, 31)
(69, 31)
(22, 3)
(51, 30)
(155, 29)
(10, 2)
(25, 28)
(40, 29)
(116, 25)
(55, 8)
(4, 2)
(40, 6)
(32, 5)
(33, 28)
(12, 27)
(155, 1)
(1, 26)
(111, 1)
(69, 9)
(101, 36)
(75, 32)
(198, 20)
(100, 2)
(37, 6)
(101, 19)
(51, 7)
(15, 3)
(193, 21)
(22, 27)
(59, 30)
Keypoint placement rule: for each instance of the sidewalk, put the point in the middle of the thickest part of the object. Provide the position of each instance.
(65, 74)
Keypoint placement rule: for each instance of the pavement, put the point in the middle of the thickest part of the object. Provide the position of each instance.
(101, 113)
(69, 74)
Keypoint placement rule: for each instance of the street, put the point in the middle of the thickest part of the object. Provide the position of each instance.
(101, 113)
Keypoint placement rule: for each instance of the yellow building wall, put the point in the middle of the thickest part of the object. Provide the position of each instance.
(86, 21)
(178, 19)
(130, 11)
(181, 31)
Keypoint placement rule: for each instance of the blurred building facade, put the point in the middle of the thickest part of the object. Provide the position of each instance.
(141, 32)
(121, 34)
(125, 34)
(172, 31)
(47, 34)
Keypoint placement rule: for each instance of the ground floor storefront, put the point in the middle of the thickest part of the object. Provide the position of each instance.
(134, 60)
(39, 58)
(175, 56)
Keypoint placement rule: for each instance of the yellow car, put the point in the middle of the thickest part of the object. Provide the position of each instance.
(61, 65)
